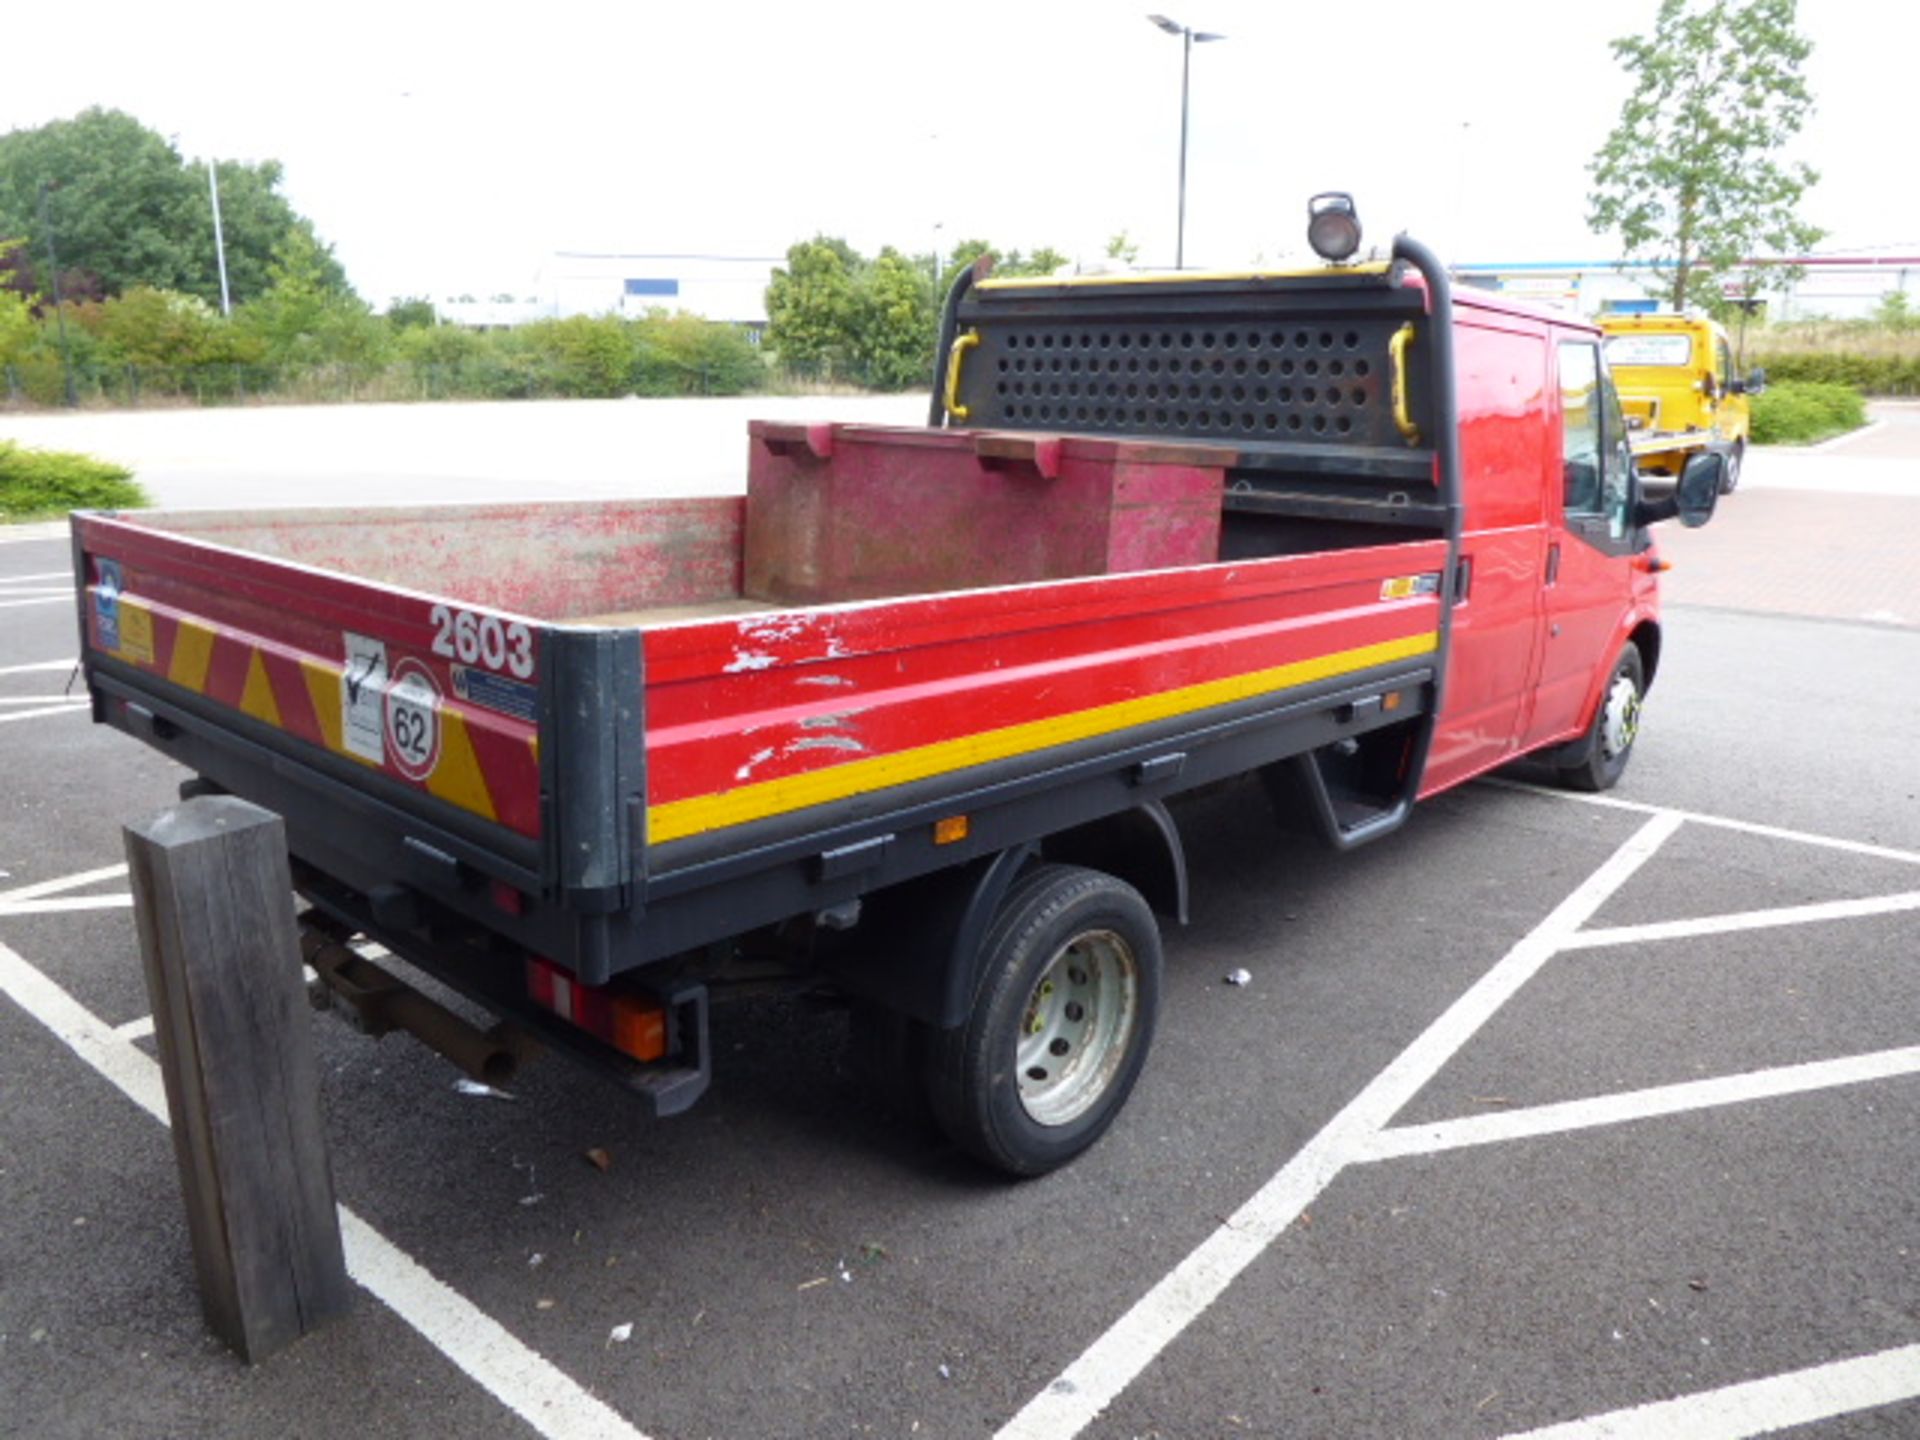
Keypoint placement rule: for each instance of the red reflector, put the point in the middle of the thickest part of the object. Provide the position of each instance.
(508, 899)
(630, 1023)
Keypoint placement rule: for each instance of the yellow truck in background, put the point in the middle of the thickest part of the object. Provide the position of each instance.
(1680, 390)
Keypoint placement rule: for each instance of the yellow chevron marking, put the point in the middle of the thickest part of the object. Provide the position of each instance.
(192, 654)
(323, 688)
(257, 698)
(457, 777)
(136, 632)
(678, 819)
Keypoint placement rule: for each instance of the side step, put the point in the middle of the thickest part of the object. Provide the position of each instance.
(1331, 783)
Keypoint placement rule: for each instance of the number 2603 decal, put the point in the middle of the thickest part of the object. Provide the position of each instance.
(483, 640)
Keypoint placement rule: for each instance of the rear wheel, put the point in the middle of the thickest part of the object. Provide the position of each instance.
(1069, 991)
(1616, 724)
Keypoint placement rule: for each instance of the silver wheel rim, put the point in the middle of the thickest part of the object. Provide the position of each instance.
(1622, 721)
(1076, 1027)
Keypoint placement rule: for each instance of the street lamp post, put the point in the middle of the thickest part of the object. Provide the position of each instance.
(59, 300)
(219, 239)
(1189, 37)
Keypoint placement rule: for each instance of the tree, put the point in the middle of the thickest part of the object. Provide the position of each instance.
(126, 208)
(1692, 175)
(894, 323)
(1124, 248)
(301, 319)
(1043, 261)
(414, 313)
(16, 309)
(811, 305)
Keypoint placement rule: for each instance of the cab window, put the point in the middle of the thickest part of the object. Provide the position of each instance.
(1597, 464)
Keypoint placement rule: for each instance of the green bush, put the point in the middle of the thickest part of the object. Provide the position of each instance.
(52, 482)
(683, 354)
(584, 357)
(1797, 412)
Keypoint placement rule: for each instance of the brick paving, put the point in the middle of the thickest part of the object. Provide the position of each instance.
(1813, 546)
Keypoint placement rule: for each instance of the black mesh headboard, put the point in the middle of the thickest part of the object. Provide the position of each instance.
(1282, 368)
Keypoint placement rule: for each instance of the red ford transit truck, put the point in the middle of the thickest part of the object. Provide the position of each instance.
(913, 718)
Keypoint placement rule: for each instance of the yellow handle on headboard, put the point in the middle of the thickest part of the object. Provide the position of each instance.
(1402, 410)
(955, 359)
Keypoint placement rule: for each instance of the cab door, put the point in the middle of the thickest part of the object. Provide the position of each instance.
(1587, 577)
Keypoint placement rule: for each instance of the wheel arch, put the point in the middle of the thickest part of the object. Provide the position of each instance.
(917, 947)
(1646, 635)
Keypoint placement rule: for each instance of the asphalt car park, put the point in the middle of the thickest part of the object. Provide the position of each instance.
(1547, 1115)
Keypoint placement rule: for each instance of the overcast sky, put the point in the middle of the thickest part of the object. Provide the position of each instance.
(446, 149)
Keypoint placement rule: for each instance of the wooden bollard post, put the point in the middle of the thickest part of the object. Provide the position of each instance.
(213, 902)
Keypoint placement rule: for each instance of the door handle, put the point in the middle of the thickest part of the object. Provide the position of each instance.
(1553, 562)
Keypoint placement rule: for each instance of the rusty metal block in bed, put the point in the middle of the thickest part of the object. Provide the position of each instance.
(860, 512)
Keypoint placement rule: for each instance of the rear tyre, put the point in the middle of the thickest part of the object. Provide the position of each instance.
(1730, 479)
(1616, 724)
(1069, 991)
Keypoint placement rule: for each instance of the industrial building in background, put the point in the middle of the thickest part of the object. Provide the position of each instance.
(729, 288)
(733, 288)
(1828, 287)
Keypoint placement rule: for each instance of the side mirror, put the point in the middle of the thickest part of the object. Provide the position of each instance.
(1757, 382)
(1699, 488)
(1693, 497)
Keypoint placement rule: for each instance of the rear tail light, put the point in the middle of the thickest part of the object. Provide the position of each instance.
(632, 1024)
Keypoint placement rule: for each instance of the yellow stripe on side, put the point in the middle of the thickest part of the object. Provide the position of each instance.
(192, 655)
(1179, 277)
(680, 818)
(256, 699)
(457, 778)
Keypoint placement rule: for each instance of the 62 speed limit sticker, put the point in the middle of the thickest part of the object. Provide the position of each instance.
(413, 719)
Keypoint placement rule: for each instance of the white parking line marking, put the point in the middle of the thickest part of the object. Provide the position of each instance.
(135, 1029)
(1745, 920)
(1630, 1105)
(66, 575)
(521, 1378)
(1092, 1382)
(1758, 1407)
(63, 882)
(64, 904)
(62, 599)
(49, 710)
(1718, 822)
(41, 699)
(37, 666)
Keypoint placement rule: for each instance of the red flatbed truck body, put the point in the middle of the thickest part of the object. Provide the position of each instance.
(599, 739)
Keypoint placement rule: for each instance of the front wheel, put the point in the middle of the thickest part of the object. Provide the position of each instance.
(1069, 991)
(1616, 724)
(1730, 478)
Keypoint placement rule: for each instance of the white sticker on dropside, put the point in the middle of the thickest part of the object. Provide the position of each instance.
(413, 720)
(363, 718)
